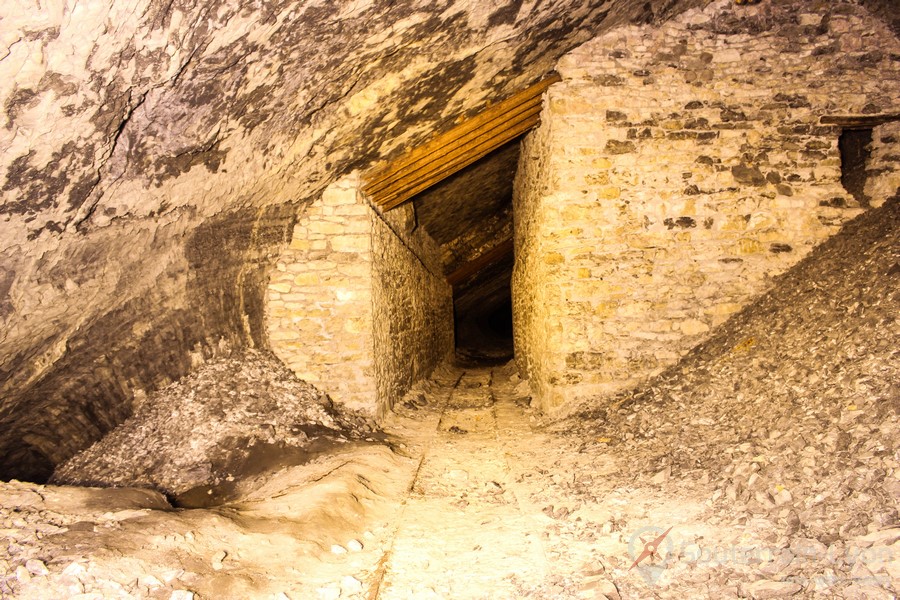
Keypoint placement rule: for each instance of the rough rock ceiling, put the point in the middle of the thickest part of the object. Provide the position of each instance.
(472, 210)
(155, 154)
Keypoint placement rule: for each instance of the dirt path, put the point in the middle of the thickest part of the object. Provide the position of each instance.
(464, 529)
(502, 508)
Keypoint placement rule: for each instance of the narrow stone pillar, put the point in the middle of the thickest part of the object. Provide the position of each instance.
(319, 312)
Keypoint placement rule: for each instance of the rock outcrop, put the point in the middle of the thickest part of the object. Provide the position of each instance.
(155, 156)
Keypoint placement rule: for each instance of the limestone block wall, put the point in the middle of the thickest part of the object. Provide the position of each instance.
(537, 325)
(351, 307)
(883, 166)
(675, 172)
(319, 304)
(412, 303)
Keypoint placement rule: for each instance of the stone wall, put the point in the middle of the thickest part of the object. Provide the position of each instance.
(352, 308)
(537, 308)
(412, 303)
(319, 303)
(883, 165)
(675, 172)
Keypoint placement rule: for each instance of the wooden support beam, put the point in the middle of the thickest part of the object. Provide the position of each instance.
(466, 271)
(439, 170)
(393, 184)
(408, 165)
(859, 121)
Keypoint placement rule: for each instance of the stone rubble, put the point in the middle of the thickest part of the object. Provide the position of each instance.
(767, 455)
(789, 417)
(232, 418)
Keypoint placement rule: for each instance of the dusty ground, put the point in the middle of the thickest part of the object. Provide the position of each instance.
(479, 500)
(768, 457)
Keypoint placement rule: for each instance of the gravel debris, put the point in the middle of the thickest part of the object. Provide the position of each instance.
(232, 418)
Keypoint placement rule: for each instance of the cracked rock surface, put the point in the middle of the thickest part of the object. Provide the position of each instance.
(155, 155)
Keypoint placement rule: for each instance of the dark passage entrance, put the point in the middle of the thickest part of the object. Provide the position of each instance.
(470, 216)
(483, 316)
(853, 145)
(460, 183)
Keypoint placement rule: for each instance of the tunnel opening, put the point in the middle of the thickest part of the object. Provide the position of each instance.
(470, 216)
(853, 145)
(460, 184)
(483, 320)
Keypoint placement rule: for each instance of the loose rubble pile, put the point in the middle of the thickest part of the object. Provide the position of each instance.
(768, 454)
(232, 418)
(791, 413)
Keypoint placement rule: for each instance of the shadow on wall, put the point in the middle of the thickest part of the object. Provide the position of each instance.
(205, 304)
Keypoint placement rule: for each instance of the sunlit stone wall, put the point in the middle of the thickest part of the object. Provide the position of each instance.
(353, 308)
(675, 172)
(412, 302)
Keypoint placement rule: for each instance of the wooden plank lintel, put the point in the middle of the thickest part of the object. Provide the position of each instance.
(466, 271)
(859, 121)
(452, 148)
(439, 171)
(462, 129)
(393, 184)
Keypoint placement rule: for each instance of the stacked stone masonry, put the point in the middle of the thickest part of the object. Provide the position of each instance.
(883, 165)
(412, 303)
(328, 304)
(676, 171)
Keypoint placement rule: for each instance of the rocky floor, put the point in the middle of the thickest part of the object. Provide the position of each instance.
(763, 465)
(479, 499)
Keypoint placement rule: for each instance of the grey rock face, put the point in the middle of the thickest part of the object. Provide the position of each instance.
(155, 155)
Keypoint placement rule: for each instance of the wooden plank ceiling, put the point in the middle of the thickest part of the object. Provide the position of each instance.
(391, 185)
(469, 269)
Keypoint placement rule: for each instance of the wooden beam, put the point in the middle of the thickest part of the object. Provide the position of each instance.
(441, 169)
(393, 184)
(467, 270)
(859, 121)
(402, 170)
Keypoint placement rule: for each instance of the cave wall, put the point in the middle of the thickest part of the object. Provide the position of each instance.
(209, 282)
(145, 143)
(356, 304)
(675, 171)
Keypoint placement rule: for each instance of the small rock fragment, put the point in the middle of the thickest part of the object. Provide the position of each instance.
(149, 581)
(182, 595)
(329, 593)
(22, 574)
(36, 567)
(885, 537)
(662, 476)
(338, 549)
(351, 585)
(760, 590)
(354, 545)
